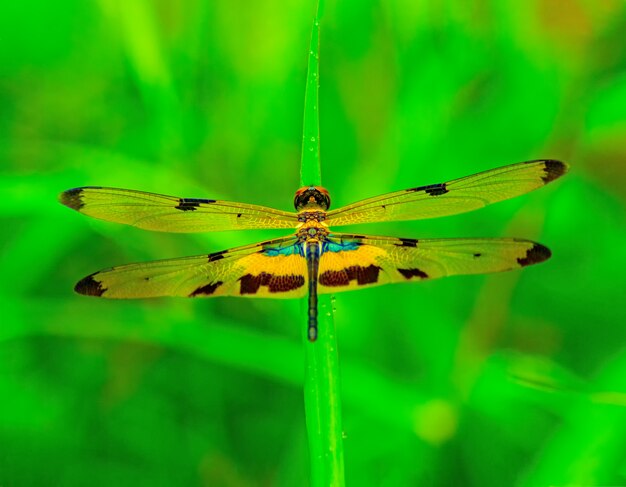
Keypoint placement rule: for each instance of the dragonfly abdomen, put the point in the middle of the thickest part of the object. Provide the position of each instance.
(312, 254)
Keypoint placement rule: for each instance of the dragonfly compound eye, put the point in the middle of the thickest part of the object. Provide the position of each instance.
(312, 197)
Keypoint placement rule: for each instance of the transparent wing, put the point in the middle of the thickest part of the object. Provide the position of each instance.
(172, 214)
(275, 269)
(354, 261)
(457, 196)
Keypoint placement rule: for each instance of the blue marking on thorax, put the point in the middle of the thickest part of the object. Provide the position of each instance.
(335, 246)
(290, 250)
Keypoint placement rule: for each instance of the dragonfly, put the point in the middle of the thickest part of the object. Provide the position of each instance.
(313, 260)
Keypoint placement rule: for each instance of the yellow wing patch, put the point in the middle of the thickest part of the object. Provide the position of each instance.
(457, 196)
(262, 276)
(350, 269)
(163, 213)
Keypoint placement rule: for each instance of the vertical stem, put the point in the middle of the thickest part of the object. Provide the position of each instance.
(310, 169)
(322, 395)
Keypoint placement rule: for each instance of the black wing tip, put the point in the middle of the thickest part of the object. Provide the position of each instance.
(553, 170)
(88, 286)
(72, 198)
(534, 255)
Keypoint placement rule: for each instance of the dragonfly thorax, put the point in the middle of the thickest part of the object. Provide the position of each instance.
(312, 198)
(311, 216)
(314, 233)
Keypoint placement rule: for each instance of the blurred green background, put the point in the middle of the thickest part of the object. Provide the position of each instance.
(513, 379)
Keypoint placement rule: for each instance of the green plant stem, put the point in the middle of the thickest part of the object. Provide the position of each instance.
(310, 168)
(322, 395)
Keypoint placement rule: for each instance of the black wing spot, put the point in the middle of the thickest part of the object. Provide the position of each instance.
(432, 189)
(409, 273)
(478, 254)
(198, 200)
(553, 169)
(190, 204)
(407, 242)
(217, 256)
(362, 275)
(250, 284)
(89, 286)
(72, 198)
(537, 253)
(206, 290)
(437, 189)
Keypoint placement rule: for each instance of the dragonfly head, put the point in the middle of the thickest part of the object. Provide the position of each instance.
(312, 198)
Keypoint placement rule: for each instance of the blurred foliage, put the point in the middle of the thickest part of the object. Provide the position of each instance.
(514, 379)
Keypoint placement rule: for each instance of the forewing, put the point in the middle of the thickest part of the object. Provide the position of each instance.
(172, 214)
(273, 269)
(457, 196)
(355, 261)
